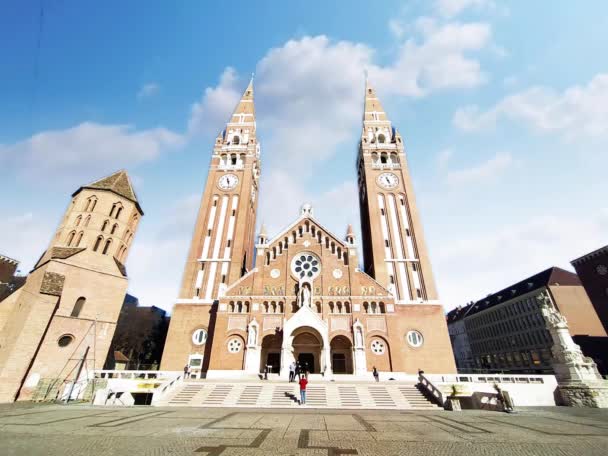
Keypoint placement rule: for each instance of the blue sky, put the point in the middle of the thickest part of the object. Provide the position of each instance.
(503, 107)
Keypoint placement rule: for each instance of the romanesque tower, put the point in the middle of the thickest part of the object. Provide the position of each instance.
(222, 246)
(393, 243)
(71, 300)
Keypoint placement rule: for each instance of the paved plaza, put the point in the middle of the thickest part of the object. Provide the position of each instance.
(85, 430)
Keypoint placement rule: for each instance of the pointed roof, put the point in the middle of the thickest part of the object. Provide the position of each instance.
(244, 112)
(118, 183)
(263, 231)
(373, 110)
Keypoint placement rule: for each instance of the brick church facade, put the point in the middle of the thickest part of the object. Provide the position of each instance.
(246, 304)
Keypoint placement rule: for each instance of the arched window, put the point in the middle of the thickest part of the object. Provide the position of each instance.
(78, 220)
(90, 205)
(381, 138)
(93, 204)
(118, 212)
(394, 158)
(70, 238)
(236, 140)
(383, 158)
(114, 228)
(233, 159)
(87, 220)
(78, 307)
(78, 239)
(107, 246)
(105, 224)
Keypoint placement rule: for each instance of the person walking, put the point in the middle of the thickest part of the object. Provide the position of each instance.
(185, 371)
(376, 374)
(292, 372)
(303, 382)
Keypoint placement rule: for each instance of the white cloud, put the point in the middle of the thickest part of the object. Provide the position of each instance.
(450, 8)
(487, 170)
(444, 157)
(148, 90)
(578, 111)
(217, 103)
(24, 237)
(85, 149)
(397, 28)
(470, 267)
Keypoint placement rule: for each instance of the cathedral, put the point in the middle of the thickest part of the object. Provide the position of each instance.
(249, 305)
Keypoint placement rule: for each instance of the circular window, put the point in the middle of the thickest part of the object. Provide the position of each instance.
(235, 345)
(199, 337)
(415, 339)
(65, 340)
(306, 265)
(377, 347)
(601, 269)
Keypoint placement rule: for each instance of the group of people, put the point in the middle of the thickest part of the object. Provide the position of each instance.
(301, 372)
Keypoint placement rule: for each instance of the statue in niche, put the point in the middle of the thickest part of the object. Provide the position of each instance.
(358, 337)
(252, 335)
(304, 296)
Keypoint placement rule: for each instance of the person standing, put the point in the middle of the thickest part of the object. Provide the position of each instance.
(303, 382)
(297, 371)
(292, 372)
(185, 371)
(376, 374)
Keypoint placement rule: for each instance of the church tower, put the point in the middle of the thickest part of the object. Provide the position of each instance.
(394, 250)
(222, 245)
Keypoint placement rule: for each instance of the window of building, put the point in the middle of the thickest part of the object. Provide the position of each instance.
(107, 246)
(78, 307)
(65, 340)
(114, 228)
(415, 339)
(70, 238)
(199, 337)
(235, 345)
(377, 347)
(97, 243)
(105, 225)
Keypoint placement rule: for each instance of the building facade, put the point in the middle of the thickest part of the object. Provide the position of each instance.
(67, 309)
(506, 331)
(245, 307)
(592, 269)
(9, 280)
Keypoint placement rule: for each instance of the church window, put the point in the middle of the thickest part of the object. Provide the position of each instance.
(114, 228)
(105, 225)
(236, 140)
(78, 220)
(78, 239)
(118, 212)
(107, 246)
(383, 158)
(306, 265)
(65, 340)
(235, 345)
(381, 138)
(97, 243)
(233, 159)
(70, 238)
(78, 307)
(199, 337)
(377, 347)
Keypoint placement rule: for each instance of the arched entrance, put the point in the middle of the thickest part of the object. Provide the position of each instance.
(341, 355)
(271, 353)
(307, 345)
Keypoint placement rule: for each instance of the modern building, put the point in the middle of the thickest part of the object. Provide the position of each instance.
(592, 270)
(300, 295)
(139, 337)
(506, 331)
(10, 281)
(66, 311)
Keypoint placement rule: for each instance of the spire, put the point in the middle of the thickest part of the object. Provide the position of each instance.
(350, 234)
(373, 110)
(245, 110)
(263, 236)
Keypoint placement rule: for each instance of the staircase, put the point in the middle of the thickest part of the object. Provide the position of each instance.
(274, 394)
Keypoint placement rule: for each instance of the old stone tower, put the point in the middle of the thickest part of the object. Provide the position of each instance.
(71, 300)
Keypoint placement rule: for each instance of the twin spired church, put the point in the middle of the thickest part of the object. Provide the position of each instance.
(247, 303)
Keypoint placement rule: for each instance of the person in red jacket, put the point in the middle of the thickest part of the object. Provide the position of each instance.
(303, 382)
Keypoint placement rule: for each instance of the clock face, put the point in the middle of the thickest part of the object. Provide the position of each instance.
(227, 182)
(387, 180)
(601, 269)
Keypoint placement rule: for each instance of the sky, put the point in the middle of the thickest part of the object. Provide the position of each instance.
(503, 107)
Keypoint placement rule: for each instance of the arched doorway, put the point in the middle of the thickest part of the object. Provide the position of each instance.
(271, 353)
(341, 355)
(307, 345)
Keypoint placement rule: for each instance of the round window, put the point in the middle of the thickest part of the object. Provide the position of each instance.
(65, 340)
(415, 339)
(377, 347)
(235, 345)
(199, 337)
(306, 265)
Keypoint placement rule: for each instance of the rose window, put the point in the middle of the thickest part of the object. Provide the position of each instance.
(377, 347)
(306, 266)
(235, 345)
